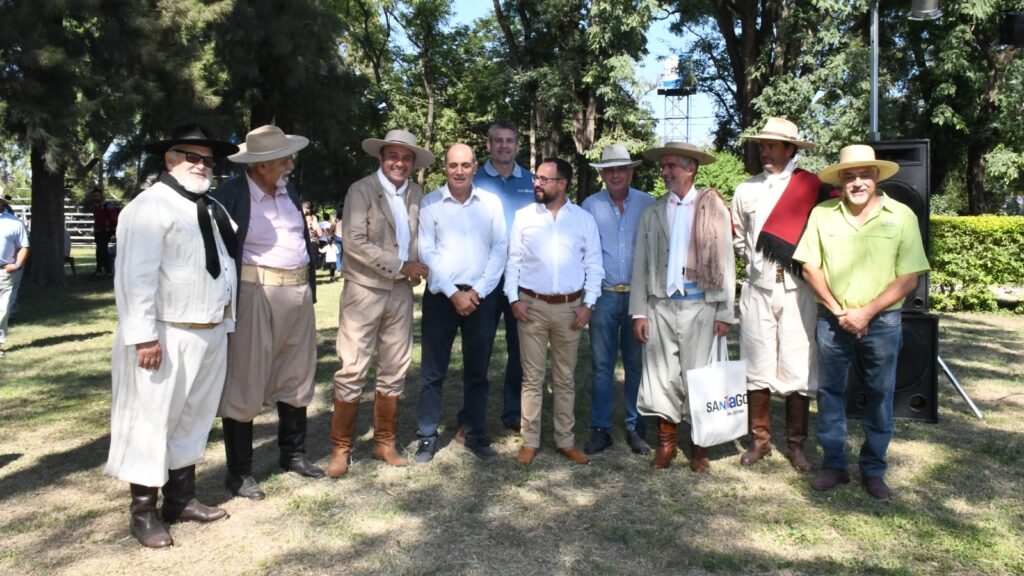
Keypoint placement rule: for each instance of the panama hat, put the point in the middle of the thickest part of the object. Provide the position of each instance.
(615, 155)
(268, 142)
(780, 130)
(373, 146)
(680, 149)
(195, 135)
(856, 156)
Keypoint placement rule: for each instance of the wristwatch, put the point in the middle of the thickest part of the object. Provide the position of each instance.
(589, 307)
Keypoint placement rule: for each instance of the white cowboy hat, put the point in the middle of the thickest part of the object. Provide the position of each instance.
(856, 156)
(680, 149)
(615, 155)
(268, 142)
(373, 146)
(780, 130)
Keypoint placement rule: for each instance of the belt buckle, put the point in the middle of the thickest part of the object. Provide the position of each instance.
(780, 274)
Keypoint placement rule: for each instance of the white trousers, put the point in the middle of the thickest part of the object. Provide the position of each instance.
(160, 420)
(777, 339)
(8, 293)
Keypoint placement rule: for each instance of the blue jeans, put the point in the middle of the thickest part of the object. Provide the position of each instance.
(876, 354)
(611, 327)
(337, 253)
(440, 325)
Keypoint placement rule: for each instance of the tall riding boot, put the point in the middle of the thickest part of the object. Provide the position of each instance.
(759, 406)
(180, 504)
(666, 444)
(291, 439)
(797, 409)
(343, 428)
(385, 421)
(145, 524)
(699, 461)
(238, 448)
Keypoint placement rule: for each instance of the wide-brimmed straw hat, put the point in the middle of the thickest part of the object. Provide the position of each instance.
(373, 146)
(780, 130)
(615, 155)
(195, 135)
(857, 156)
(680, 149)
(268, 142)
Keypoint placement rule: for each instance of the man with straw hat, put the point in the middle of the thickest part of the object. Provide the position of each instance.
(380, 266)
(272, 354)
(13, 253)
(683, 291)
(616, 209)
(861, 255)
(175, 289)
(769, 212)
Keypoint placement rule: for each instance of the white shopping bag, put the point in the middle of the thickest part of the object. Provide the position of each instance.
(717, 395)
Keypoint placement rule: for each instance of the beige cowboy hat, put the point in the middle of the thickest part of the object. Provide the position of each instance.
(267, 142)
(780, 130)
(615, 155)
(856, 156)
(680, 149)
(373, 146)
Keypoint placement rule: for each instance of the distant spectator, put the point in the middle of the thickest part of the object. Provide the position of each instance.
(13, 252)
(336, 238)
(104, 223)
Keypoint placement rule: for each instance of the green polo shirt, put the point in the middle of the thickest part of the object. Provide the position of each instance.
(859, 262)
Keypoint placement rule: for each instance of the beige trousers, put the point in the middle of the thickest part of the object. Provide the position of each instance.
(272, 353)
(777, 339)
(551, 324)
(681, 334)
(373, 318)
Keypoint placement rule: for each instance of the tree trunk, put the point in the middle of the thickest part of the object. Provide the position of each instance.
(46, 239)
(976, 200)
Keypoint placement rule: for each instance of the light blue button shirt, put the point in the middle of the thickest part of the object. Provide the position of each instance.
(13, 237)
(617, 231)
(514, 192)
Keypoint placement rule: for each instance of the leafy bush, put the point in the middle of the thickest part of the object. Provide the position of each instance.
(725, 174)
(969, 254)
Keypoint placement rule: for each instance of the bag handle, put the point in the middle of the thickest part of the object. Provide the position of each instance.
(719, 347)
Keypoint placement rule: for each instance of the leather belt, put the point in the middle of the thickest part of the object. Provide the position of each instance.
(616, 288)
(780, 274)
(552, 298)
(267, 276)
(464, 287)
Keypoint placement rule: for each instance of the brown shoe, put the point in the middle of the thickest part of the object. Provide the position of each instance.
(526, 455)
(343, 427)
(180, 504)
(575, 455)
(830, 478)
(699, 462)
(145, 524)
(759, 403)
(385, 421)
(876, 487)
(666, 445)
(797, 409)
(460, 435)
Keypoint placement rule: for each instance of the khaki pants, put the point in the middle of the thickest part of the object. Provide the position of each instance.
(373, 318)
(776, 339)
(550, 324)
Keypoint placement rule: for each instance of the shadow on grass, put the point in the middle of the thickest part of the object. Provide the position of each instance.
(55, 340)
(52, 468)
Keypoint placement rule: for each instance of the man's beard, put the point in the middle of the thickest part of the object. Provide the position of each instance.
(197, 187)
(282, 181)
(542, 197)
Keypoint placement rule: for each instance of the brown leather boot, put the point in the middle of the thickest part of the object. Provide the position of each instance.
(759, 405)
(180, 504)
(797, 408)
(343, 428)
(699, 461)
(385, 421)
(145, 524)
(666, 445)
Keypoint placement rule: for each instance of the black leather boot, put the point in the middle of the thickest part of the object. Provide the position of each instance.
(291, 439)
(238, 449)
(180, 504)
(145, 525)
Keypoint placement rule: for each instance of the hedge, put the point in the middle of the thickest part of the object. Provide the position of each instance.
(971, 254)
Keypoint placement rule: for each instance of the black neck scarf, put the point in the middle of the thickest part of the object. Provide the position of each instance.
(227, 233)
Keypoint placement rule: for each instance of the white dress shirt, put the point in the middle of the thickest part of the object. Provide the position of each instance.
(557, 255)
(396, 199)
(752, 203)
(462, 243)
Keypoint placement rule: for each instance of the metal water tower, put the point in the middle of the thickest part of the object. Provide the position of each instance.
(676, 85)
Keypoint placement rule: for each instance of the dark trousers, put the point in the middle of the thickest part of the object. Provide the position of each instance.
(102, 239)
(440, 325)
(512, 391)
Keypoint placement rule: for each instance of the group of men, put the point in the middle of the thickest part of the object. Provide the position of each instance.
(215, 298)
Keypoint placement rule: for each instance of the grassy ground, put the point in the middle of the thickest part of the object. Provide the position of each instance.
(958, 506)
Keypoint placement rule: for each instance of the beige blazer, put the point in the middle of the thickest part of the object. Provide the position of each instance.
(650, 264)
(370, 257)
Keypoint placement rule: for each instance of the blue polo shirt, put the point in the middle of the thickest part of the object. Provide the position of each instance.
(514, 192)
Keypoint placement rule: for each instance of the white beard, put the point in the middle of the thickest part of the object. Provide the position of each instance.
(283, 180)
(197, 187)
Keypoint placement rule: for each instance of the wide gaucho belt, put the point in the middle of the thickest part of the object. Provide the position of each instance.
(267, 276)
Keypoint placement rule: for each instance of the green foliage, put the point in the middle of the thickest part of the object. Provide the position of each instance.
(725, 174)
(971, 254)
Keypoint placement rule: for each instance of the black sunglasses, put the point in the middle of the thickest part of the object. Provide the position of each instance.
(192, 157)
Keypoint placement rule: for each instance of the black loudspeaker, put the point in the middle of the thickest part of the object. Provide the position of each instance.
(911, 186)
(1011, 29)
(916, 396)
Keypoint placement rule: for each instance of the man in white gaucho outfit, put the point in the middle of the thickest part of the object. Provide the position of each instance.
(175, 290)
(777, 309)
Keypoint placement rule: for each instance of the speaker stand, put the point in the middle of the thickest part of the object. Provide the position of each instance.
(959, 388)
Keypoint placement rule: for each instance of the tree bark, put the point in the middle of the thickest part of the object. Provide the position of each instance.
(46, 239)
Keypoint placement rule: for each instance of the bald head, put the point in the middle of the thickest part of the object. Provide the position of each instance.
(459, 168)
